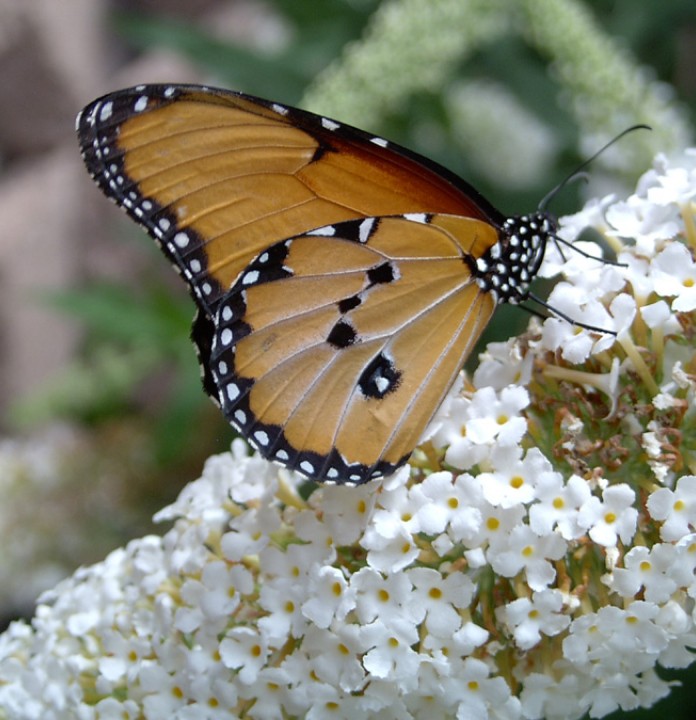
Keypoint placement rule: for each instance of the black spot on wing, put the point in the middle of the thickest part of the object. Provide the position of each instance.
(342, 335)
(347, 304)
(379, 378)
(381, 274)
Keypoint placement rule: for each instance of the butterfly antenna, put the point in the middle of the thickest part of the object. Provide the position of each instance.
(557, 313)
(578, 173)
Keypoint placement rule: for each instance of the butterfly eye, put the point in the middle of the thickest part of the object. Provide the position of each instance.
(341, 280)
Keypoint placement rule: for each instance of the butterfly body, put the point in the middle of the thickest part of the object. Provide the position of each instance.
(341, 280)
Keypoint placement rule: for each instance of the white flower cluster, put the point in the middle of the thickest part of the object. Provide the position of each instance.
(535, 561)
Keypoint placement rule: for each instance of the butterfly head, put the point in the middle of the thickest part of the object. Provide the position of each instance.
(508, 267)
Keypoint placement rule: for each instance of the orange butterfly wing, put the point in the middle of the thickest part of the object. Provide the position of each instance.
(332, 351)
(216, 176)
(341, 280)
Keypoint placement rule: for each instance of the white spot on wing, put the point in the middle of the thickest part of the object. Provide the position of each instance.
(417, 217)
(261, 437)
(329, 124)
(181, 239)
(379, 141)
(326, 231)
(365, 229)
(306, 466)
(140, 103)
(251, 277)
(105, 111)
(382, 384)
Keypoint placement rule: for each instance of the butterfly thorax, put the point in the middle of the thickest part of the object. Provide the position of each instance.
(507, 268)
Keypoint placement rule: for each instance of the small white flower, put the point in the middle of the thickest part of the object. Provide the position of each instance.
(391, 654)
(502, 364)
(515, 478)
(649, 568)
(674, 275)
(378, 596)
(246, 650)
(347, 510)
(525, 550)
(528, 618)
(676, 508)
(249, 533)
(329, 596)
(559, 505)
(335, 655)
(647, 222)
(449, 501)
(612, 517)
(439, 599)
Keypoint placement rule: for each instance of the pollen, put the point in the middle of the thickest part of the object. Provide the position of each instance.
(516, 482)
(383, 595)
(645, 566)
(679, 506)
(336, 589)
(492, 523)
(453, 503)
(502, 419)
(528, 551)
(472, 685)
(558, 503)
(610, 518)
(435, 593)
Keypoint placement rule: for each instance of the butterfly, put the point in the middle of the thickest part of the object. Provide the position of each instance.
(341, 280)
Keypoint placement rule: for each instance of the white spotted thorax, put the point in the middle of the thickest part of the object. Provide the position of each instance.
(510, 265)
